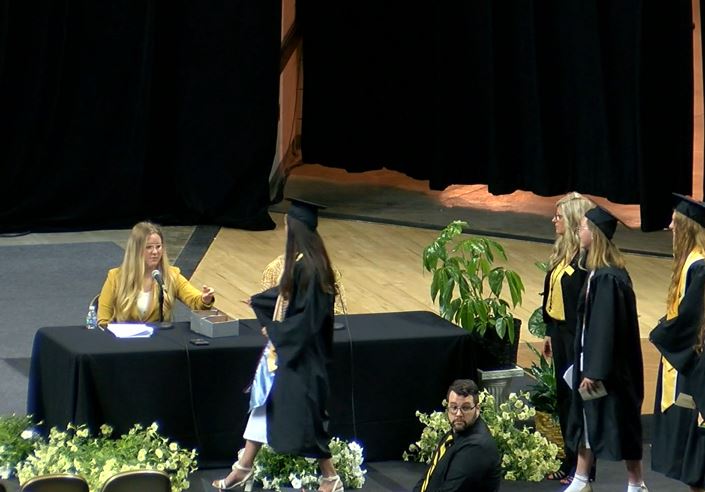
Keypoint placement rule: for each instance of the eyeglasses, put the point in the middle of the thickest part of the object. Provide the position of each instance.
(465, 409)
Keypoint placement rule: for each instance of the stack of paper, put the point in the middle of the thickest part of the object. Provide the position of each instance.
(130, 330)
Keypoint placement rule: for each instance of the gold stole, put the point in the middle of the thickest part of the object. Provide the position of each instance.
(279, 310)
(279, 315)
(436, 458)
(554, 304)
(669, 375)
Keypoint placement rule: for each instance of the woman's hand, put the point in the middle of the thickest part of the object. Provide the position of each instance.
(588, 385)
(264, 331)
(207, 294)
(547, 348)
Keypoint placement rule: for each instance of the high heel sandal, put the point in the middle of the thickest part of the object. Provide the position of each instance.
(246, 482)
(337, 483)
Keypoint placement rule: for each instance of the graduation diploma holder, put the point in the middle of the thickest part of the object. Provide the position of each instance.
(684, 400)
(598, 392)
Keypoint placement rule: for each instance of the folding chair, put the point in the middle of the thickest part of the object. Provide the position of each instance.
(138, 481)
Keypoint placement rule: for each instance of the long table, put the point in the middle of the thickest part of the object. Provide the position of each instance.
(386, 366)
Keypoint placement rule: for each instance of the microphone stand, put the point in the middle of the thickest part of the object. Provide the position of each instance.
(162, 325)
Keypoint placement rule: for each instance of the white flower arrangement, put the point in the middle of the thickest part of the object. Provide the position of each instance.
(98, 458)
(274, 470)
(525, 454)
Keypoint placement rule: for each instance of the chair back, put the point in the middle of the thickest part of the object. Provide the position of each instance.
(61, 482)
(138, 481)
(273, 271)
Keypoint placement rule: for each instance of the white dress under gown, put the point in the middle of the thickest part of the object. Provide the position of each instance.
(256, 429)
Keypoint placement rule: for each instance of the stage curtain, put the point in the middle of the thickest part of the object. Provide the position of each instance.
(117, 111)
(543, 96)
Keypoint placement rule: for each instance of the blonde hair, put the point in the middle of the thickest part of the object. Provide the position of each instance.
(132, 271)
(572, 208)
(602, 252)
(687, 235)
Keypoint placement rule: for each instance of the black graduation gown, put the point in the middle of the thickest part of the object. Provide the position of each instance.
(678, 445)
(297, 421)
(471, 464)
(612, 354)
(562, 333)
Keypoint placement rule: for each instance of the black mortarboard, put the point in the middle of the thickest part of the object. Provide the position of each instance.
(306, 212)
(604, 220)
(690, 208)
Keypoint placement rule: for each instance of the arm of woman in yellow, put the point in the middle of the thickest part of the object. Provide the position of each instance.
(106, 301)
(187, 293)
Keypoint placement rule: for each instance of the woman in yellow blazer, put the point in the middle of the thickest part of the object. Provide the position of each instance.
(130, 292)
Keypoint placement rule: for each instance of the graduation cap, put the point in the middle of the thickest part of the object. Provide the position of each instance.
(690, 208)
(604, 220)
(304, 211)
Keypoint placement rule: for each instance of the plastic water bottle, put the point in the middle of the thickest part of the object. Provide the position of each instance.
(91, 318)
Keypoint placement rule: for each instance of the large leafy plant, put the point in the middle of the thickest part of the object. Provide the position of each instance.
(467, 283)
(542, 393)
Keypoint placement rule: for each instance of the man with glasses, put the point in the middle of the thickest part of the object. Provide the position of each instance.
(466, 458)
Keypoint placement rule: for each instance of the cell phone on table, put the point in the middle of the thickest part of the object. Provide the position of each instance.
(199, 341)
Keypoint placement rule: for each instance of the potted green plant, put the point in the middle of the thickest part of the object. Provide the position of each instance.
(543, 396)
(469, 288)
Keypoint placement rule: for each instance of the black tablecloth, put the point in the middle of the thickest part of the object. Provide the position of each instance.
(386, 366)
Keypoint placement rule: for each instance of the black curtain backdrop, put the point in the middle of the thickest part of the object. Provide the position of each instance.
(544, 96)
(112, 112)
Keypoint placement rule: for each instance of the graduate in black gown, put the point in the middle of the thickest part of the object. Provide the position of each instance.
(290, 388)
(561, 290)
(678, 444)
(607, 355)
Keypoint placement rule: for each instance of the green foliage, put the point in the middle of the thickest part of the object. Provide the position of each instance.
(436, 425)
(525, 454)
(467, 285)
(17, 440)
(276, 470)
(542, 393)
(542, 265)
(97, 458)
(536, 325)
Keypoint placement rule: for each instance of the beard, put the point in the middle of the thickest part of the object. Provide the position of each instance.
(459, 425)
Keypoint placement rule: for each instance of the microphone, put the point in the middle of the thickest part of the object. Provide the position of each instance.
(162, 325)
(157, 276)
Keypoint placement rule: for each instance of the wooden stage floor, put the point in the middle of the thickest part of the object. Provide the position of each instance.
(381, 272)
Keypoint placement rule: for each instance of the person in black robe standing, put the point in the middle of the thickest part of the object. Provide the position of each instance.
(678, 445)
(607, 358)
(562, 285)
(290, 388)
